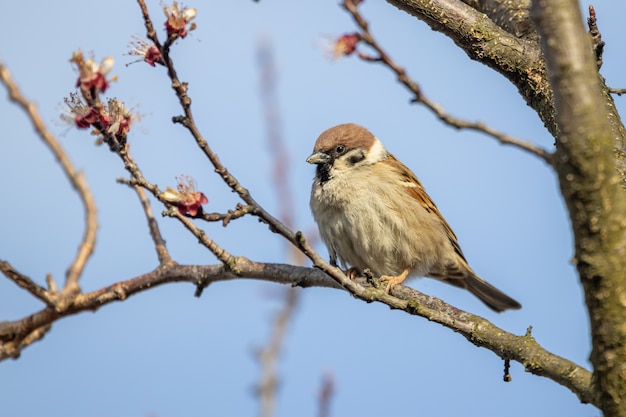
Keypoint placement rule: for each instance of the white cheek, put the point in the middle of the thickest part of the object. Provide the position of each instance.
(377, 152)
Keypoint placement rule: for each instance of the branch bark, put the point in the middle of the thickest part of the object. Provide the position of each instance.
(587, 174)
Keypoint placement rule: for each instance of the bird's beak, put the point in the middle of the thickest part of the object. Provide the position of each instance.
(318, 158)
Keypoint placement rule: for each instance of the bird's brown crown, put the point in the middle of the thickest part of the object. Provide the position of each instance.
(350, 135)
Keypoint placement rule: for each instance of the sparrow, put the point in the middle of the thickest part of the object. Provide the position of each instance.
(374, 214)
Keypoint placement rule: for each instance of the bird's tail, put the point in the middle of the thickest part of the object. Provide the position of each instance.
(490, 295)
(487, 293)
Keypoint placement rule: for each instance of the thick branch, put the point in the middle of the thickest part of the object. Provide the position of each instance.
(512, 16)
(596, 203)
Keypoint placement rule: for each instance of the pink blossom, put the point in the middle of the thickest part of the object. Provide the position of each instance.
(147, 52)
(185, 197)
(92, 76)
(177, 20)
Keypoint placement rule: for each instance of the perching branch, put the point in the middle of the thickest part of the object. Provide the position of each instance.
(475, 329)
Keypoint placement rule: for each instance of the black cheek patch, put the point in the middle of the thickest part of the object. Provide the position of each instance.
(356, 158)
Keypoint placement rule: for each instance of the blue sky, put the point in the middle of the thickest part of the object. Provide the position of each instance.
(167, 353)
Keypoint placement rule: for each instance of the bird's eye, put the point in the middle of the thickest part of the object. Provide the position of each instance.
(340, 149)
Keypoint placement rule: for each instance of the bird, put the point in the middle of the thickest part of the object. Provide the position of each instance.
(373, 214)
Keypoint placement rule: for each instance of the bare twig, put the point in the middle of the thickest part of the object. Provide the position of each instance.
(25, 282)
(220, 253)
(225, 218)
(159, 243)
(151, 33)
(381, 56)
(76, 179)
(618, 91)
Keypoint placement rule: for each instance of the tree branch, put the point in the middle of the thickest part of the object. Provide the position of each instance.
(26, 283)
(76, 179)
(589, 183)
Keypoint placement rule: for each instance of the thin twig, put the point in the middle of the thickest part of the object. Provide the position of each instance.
(365, 36)
(151, 33)
(239, 211)
(220, 253)
(76, 179)
(618, 91)
(25, 282)
(159, 243)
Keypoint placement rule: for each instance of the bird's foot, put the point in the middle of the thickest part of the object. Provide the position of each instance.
(352, 273)
(393, 281)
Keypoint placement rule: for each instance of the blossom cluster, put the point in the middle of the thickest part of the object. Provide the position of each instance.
(111, 120)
